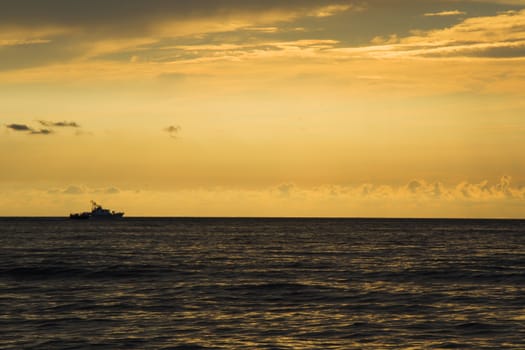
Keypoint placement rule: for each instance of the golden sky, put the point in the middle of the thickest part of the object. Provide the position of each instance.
(378, 108)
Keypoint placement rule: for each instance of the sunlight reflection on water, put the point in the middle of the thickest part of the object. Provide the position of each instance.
(270, 284)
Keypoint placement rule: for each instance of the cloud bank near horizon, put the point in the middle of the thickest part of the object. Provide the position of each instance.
(432, 199)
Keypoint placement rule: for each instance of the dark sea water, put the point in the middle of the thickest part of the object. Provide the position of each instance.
(262, 284)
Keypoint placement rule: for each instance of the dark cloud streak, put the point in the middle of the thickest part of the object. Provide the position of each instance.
(72, 28)
(48, 130)
(136, 14)
(28, 129)
(63, 124)
(18, 127)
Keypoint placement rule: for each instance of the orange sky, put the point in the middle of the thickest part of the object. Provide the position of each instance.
(247, 108)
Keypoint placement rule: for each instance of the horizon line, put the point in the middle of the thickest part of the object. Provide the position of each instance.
(275, 217)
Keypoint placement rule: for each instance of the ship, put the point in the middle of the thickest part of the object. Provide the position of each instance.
(97, 212)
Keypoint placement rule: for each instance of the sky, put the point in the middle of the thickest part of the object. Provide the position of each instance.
(335, 108)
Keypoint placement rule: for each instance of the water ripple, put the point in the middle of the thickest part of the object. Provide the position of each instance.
(262, 284)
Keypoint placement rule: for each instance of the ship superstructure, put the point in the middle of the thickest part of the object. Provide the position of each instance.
(97, 212)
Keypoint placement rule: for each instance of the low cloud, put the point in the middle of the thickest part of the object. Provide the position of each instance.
(27, 129)
(42, 132)
(73, 190)
(48, 130)
(78, 190)
(485, 191)
(415, 198)
(63, 124)
(417, 189)
(285, 190)
(112, 190)
(18, 127)
(173, 130)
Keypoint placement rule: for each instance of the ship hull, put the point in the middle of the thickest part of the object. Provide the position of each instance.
(83, 216)
(115, 216)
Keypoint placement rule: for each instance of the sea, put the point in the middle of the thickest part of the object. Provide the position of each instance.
(241, 283)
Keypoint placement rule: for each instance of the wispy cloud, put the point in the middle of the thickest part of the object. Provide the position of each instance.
(444, 13)
(106, 28)
(256, 50)
(262, 29)
(62, 124)
(84, 190)
(330, 10)
(243, 48)
(498, 36)
(21, 42)
(42, 132)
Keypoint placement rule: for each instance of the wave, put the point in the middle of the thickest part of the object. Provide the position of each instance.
(82, 272)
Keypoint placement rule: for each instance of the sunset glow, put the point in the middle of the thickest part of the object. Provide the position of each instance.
(263, 108)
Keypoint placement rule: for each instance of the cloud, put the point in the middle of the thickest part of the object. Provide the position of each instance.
(330, 10)
(485, 191)
(252, 51)
(18, 127)
(498, 36)
(505, 2)
(122, 18)
(63, 124)
(60, 31)
(444, 13)
(473, 36)
(112, 190)
(420, 190)
(262, 29)
(415, 198)
(261, 46)
(414, 185)
(481, 191)
(29, 130)
(21, 42)
(77, 190)
(285, 190)
(173, 130)
(73, 190)
(43, 131)
(118, 39)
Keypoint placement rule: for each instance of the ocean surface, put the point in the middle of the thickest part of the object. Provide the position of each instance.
(262, 284)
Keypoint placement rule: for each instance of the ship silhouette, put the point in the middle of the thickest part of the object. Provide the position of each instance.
(97, 212)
